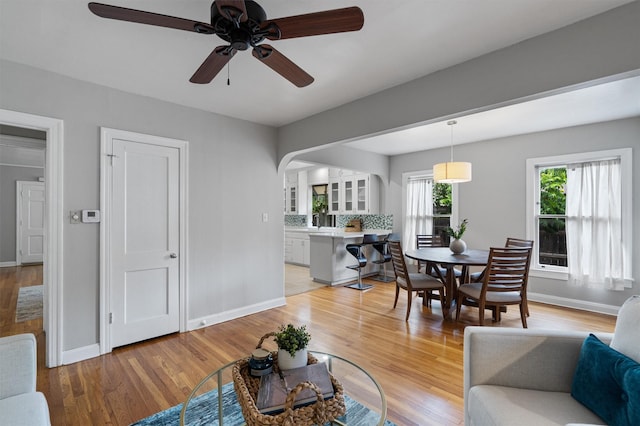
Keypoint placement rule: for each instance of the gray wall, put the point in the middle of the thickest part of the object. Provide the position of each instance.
(495, 200)
(8, 177)
(596, 48)
(232, 178)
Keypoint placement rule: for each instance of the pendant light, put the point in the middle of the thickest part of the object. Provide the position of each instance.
(452, 172)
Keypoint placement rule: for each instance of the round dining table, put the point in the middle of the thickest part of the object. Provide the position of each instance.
(444, 257)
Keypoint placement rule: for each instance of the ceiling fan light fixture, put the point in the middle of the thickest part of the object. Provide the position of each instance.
(452, 171)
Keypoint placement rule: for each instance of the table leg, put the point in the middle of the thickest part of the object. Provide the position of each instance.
(451, 290)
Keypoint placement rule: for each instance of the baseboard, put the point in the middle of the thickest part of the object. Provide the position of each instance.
(583, 305)
(8, 264)
(208, 320)
(80, 354)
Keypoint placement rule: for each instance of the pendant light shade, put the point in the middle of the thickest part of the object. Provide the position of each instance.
(453, 171)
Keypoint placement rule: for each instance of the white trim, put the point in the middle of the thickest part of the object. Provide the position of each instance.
(80, 354)
(626, 159)
(107, 135)
(53, 249)
(235, 313)
(7, 264)
(583, 305)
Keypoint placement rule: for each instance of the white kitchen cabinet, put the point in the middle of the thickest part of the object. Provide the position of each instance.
(291, 193)
(351, 193)
(296, 248)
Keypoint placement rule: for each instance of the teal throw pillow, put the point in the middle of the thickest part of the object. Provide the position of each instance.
(608, 383)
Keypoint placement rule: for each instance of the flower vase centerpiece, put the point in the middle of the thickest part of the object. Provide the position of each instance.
(457, 245)
(292, 346)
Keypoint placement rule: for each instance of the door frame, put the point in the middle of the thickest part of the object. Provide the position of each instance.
(107, 135)
(19, 212)
(53, 247)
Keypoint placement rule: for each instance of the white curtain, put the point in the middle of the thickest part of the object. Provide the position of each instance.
(594, 225)
(419, 211)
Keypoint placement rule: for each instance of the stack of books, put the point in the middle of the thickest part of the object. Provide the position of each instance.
(275, 387)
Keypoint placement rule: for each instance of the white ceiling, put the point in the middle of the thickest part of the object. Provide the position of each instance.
(604, 102)
(401, 40)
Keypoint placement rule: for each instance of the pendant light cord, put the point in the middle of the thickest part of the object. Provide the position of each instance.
(451, 124)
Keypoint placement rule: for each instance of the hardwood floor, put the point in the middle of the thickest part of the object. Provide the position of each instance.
(418, 362)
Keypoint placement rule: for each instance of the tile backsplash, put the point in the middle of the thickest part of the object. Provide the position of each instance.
(369, 221)
(295, 220)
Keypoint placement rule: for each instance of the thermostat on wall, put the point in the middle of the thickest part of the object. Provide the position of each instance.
(90, 216)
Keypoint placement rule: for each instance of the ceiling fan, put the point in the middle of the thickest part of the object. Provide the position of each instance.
(244, 24)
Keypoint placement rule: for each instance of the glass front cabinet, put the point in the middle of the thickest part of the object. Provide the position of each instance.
(352, 194)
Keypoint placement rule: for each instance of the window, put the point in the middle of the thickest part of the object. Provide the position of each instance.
(428, 207)
(579, 214)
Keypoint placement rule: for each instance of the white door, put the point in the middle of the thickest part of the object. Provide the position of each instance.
(30, 222)
(145, 278)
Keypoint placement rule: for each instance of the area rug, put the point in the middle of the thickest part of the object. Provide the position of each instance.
(205, 412)
(29, 305)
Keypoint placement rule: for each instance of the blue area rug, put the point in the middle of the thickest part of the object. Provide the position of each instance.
(205, 412)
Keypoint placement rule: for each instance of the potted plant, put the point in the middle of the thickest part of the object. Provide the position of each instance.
(292, 346)
(457, 245)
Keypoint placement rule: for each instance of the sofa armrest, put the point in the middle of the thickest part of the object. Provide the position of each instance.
(17, 365)
(522, 358)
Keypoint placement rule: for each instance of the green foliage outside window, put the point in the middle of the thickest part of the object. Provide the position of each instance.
(442, 195)
(553, 198)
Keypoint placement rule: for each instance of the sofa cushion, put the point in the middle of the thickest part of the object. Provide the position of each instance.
(491, 405)
(27, 409)
(608, 383)
(626, 338)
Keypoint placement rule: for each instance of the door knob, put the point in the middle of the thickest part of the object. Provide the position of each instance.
(173, 255)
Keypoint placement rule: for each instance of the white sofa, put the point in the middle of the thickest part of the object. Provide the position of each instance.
(20, 404)
(525, 376)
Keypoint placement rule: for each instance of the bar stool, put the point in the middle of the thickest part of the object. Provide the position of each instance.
(385, 257)
(356, 251)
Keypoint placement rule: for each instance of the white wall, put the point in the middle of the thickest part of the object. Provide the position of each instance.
(233, 179)
(495, 200)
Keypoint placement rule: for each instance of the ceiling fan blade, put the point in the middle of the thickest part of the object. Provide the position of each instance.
(282, 65)
(310, 24)
(213, 64)
(232, 9)
(142, 17)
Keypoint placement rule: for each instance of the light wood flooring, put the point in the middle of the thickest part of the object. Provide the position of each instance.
(298, 280)
(418, 362)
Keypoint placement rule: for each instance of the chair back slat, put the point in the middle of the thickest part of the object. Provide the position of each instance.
(399, 264)
(507, 269)
(423, 240)
(517, 242)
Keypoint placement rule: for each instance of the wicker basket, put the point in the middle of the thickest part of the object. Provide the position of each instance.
(318, 413)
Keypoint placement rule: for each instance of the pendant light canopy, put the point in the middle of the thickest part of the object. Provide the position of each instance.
(452, 172)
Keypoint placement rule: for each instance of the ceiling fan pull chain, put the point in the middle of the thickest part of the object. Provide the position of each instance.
(228, 75)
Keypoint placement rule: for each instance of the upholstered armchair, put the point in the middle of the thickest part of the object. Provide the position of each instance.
(20, 404)
(545, 377)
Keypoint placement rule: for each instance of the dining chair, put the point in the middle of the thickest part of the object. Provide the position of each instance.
(504, 283)
(428, 240)
(411, 282)
(511, 242)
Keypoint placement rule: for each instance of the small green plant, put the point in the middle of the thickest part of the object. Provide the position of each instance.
(457, 234)
(291, 339)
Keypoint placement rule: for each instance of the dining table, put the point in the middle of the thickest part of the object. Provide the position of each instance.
(448, 260)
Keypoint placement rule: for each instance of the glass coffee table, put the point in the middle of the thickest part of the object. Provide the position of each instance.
(213, 400)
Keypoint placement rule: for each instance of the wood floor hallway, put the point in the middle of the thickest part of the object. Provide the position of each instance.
(418, 362)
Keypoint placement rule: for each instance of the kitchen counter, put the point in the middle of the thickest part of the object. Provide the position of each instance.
(329, 256)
